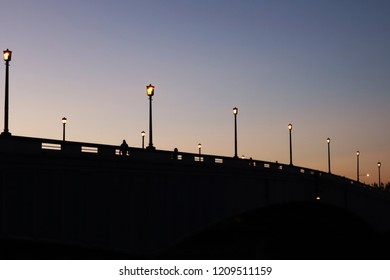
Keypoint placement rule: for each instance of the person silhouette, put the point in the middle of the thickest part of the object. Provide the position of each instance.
(175, 153)
(124, 148)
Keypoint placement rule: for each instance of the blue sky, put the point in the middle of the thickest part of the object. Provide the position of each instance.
(321, 65)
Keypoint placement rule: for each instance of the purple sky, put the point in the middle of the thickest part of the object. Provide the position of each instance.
(323, 66)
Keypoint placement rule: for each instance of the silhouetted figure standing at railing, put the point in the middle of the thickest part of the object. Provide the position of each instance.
(124, 148)
(175, 153)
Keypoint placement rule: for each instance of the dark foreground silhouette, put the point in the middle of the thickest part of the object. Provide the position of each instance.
(71, 200)
(286, 232)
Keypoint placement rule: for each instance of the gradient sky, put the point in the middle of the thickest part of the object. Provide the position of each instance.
(323, 66)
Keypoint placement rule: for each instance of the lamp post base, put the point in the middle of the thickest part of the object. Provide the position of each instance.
(151, 148)
(5, 134)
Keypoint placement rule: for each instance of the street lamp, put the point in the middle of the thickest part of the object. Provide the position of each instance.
(364, 175)
(150, 93)
(200, 149)
(7, 55)
(328, 141)
(64, 120)
(143, 139)
(235, 112)
(379, 174)
(357, 165)
(289, 130)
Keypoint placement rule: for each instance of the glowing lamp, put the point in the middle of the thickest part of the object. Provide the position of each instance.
(150, 90)
(7, 54)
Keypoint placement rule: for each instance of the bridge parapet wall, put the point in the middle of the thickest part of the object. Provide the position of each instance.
(141, 203)
(39, 146)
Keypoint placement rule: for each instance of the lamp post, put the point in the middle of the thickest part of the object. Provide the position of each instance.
(64, 120)
(150, 93)
(289, 130)
(200, 149)
(143, 139)
(328, 141)
(235, 112)
(7, 55)
(357, 165)
(379, 174)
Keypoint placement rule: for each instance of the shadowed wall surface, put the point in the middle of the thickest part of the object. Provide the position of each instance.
(82, 200)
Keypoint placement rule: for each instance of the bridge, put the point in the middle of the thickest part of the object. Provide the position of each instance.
(74, 200)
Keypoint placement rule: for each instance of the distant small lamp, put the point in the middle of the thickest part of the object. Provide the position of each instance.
(143, 139)
(150, 93)
(289, 132)
(357, 165)
(379, 173)
(64, 120)
(235, 113)
(200, 148)
(364, 175)
(328, 141)
(7, 55)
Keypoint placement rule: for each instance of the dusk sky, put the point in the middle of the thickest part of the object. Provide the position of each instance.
(323, 66)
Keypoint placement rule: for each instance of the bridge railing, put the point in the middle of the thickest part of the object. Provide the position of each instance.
(39, 146)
